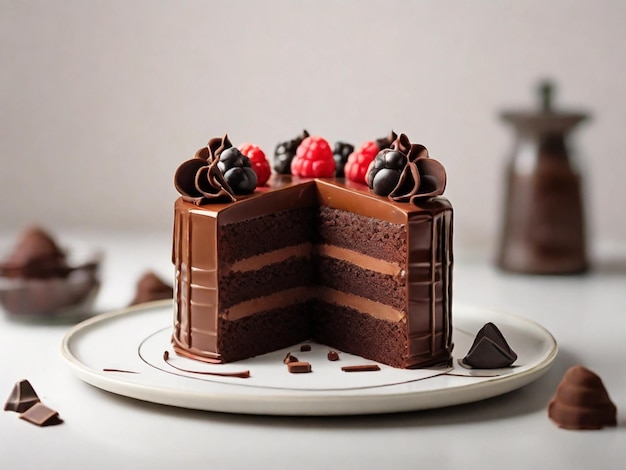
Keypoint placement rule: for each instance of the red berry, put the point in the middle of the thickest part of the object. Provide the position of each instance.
(359, 161)
(259, 162)
(314, 159)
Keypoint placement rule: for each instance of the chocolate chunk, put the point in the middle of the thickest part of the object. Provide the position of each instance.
(23, 396)
(35, 256)
(305, 347)
(361, 368)
(333, 356)
(299, 367)
(41, 415)
(582, 402)
(489, 350)
(289, 358)
(150, 287)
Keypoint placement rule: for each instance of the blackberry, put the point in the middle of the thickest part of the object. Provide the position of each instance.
(237, 171)
(284, 153)
(386, 170)
(341, 152)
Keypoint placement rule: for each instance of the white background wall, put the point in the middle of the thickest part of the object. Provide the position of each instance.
(101, 100)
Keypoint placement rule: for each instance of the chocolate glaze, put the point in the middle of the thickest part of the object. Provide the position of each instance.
(582, 402)
(428, 259)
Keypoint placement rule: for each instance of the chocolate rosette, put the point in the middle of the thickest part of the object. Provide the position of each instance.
(406, 173)
(199, 180)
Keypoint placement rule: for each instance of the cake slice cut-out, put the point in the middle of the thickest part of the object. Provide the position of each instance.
(22, 397)
(582, 402)
(489, 350)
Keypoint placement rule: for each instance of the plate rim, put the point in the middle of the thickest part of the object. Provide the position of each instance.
(333, 401)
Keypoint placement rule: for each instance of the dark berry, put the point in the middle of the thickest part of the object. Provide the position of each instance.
(384, 172)
(259, 162)
(285, 153)
(341, 152)
(237, 171)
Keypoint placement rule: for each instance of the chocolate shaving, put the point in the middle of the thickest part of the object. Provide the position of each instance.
(305, 347)
(241, 374)
(299, 367)
(108, 369)
(361, 368)
(22, 397)
(333, 356)
(199, 180)
(41, 415)
(422, 177)
(489, 350)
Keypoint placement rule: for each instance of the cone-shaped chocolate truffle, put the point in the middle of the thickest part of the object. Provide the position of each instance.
(22, 397)
(36, 255)
(150, 287)
(582, 402)
(490, 350)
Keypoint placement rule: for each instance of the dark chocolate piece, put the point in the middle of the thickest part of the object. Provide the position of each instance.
(150, 287)
(361, 368)
(333, 356)
(489, 350)
(582, 402)
(305, 347)
(41, 415)
(300, 367)
(23, 396)
(289, 358)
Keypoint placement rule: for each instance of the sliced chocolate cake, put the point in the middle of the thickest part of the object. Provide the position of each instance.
(312, 258)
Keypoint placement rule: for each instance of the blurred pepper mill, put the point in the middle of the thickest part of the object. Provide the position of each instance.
(543, 222)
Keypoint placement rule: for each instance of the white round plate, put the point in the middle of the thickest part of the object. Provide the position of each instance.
(123, 352)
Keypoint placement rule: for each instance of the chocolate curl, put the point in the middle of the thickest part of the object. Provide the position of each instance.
(199, 180)
(385, 142)
(402, 144)
(408, 185)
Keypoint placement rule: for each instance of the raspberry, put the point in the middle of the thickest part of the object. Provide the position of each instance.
(359, 161)
(314, 159)
(237, 171)
(341, 152)
(259, 162)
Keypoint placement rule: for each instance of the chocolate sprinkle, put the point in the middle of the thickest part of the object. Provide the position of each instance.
(333, 356)
(361, 368)
(299, 367)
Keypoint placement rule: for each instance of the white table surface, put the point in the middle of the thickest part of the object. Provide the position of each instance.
(586, 314)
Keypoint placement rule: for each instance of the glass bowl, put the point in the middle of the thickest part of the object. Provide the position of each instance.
(70, 296)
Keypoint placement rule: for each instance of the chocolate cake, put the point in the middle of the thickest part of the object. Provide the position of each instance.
(312, 258)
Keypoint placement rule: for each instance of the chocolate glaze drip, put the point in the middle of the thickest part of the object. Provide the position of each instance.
(582, 402)
(422, 177)
(199, 180)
